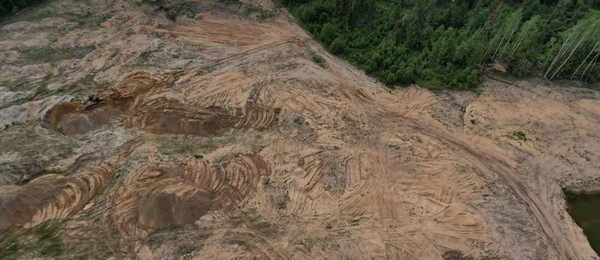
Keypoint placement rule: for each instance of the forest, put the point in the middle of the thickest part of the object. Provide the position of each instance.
(8, 7)
(444, 44)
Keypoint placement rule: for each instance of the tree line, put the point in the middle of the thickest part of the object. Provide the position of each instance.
(447, 44)
(8, 7)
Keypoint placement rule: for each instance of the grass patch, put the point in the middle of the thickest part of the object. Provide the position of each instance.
(188, 147)
(253, 219)
(37, 148)
(306, 242)
(278, 193)
(265, 15)
(183, 240)
(261, 15)
(43, 240)
(281, 204)
(49, 54)
(186, 251)
(90, 19)
(39, 14)
(267, 182)
(519, 135)
(146, 56)
(251, 9)
(85, 86)
(182, 8)
(299, 120)
(9, 247)
(318, 59)
(173, 9)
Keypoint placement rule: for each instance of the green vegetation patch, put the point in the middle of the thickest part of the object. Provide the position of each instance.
(519, 135)
(48, 241)
(184, 240)
(318, 59)
(251, 218)
(36, 10)
(84, 86)
(445, 44)
(44, 240)
(36, 149)
(260, 14)
(8, 7)
(187, 146)
(174, 8)
(49, 54)
(89, 19)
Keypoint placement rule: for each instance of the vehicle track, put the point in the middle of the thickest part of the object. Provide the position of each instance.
(491, 167)
(159, 195)
(51, 196)
(294, 159)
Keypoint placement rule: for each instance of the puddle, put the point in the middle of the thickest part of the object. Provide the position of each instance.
(585, 210)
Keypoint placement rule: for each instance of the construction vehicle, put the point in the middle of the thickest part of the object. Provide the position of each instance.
(91, 102)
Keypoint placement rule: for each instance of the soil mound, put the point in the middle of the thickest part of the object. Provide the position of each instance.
(160, 195)
(50, 196)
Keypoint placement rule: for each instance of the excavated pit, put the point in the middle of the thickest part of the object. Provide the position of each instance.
(134, 101)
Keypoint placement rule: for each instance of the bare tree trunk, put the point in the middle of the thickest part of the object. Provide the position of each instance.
(593, 61)
(485, 52)
(512, 53)
(498, 47)
(509, 38)
(560, 52)
(568, 57)
(583, 61)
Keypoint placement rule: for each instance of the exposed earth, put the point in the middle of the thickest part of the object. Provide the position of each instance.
(227, 132)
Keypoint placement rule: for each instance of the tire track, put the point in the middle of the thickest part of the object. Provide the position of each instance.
(133, 98)
(491, 167)
(51, 196)
(159, 195)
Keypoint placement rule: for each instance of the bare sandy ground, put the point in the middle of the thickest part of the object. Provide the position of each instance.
(221, 137)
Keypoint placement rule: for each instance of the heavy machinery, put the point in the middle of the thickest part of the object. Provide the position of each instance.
(92, 102)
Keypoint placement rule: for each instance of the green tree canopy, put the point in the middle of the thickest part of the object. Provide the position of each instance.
(447, 44)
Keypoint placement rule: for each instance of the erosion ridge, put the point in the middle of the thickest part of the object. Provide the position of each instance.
(242, 137)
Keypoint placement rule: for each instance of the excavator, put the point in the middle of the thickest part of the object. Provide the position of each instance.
(91, 102)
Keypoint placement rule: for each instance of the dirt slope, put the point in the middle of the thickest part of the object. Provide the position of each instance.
(224, 135)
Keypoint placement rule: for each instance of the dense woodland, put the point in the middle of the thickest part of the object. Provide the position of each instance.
(447, 44)
(8, 7)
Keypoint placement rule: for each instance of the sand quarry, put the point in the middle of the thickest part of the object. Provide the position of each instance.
(222, 138)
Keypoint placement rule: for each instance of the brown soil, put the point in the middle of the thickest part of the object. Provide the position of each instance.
(51, 196)
(164, 194)
(252, 150)
(135, 98)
